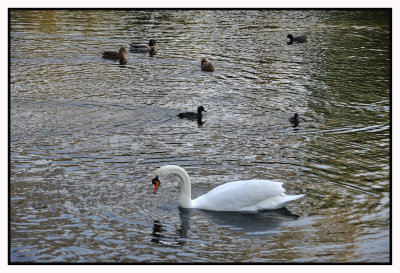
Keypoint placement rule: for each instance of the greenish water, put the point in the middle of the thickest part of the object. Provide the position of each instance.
(86, 135)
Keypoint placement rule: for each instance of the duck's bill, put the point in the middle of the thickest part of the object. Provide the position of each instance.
(156, 184)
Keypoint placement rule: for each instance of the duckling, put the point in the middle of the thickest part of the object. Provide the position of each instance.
(113, 55)
(151, 47)
(207, 66)
(294, 120)
(193, 115)
(298, 39)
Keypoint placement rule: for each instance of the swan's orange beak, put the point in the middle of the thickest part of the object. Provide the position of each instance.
(156, 184)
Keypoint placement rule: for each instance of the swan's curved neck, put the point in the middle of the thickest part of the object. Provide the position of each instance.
(185, 199)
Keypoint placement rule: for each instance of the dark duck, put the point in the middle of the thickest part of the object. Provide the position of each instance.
(298, 39)
(193, 115)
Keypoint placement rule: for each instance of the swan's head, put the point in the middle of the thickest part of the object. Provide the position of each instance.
(162, 173)
(156, 183)
(159, 175)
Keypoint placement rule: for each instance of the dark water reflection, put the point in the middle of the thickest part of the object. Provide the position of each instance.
(87, 134)
(260, 224)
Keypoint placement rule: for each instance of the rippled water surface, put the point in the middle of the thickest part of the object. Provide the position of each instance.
(87, 134)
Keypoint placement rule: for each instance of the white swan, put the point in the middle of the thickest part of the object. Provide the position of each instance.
(246, 195)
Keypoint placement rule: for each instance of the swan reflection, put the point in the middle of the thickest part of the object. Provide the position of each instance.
(261, 223)
(258, 223)
(160, 233)
(157, 232)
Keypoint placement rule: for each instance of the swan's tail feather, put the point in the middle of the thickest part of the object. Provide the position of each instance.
(277, 202)
(289, 198)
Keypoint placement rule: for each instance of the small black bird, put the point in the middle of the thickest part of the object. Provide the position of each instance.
(294, 120)
(298, 39)
(193, 115)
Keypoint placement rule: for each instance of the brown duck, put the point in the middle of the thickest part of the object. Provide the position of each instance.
(113, 55)
(207, 66)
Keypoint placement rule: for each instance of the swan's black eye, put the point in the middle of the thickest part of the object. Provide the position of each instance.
(156, 183)
(154, 180)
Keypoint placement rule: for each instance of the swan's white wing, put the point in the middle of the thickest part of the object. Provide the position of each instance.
(235, 196)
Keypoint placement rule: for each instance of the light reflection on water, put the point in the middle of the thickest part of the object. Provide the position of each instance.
(88, 133)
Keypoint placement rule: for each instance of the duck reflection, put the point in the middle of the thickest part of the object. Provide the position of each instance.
(200, 122)
(261, 223)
